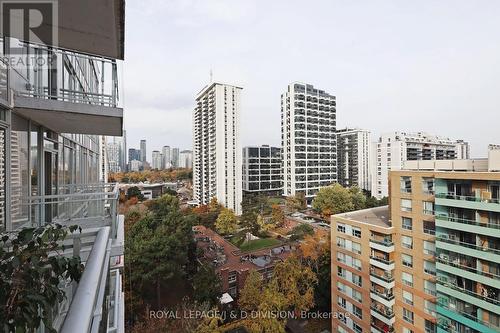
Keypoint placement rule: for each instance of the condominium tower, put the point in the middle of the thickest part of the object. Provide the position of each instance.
(435, 266)
(353, 154)
(143, 151)
(216, 146)
(174, 157)
(167, 161)
(186, 159)
(308, 139)
(392, 149)
(156, 160)
(262, 170)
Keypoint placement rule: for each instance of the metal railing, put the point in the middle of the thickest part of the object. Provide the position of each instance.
(384, 311)
(384, 242)
(445, 283)
(446, 239)
(468, 221)
(467, 268)
(79, 77)
(384, 295)
(382, 260)
(466, 198)
(88, 205)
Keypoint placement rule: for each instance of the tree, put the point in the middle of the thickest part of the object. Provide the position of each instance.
(30, 276)
(300, 231)
(226, 222)
(332, 200)
(322, 290)
(207, 285)
(251, 294)
(134, 191)
(277, 216)
(296, 203)
(358, 198)
(214, 205)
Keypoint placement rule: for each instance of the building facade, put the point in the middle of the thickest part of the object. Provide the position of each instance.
(216, 146)
(308, 139)
(167, 161)
(143, 151)
(186, 159)
(354, 158)
(113, 151)
(392, 149)
(363, 271)
(174, 158)
(262, 170)
(156, 160)
(53, 123)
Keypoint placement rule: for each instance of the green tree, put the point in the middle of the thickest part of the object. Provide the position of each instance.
(300, 231)
(134, 191)
(358, 198)
(333, 199)
(207, 285)
(226, 222)
(296, 203)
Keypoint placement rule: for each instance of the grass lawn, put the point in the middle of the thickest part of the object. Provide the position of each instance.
(256, 244)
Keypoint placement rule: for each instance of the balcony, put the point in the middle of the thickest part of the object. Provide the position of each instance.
(385, 298)
(468, 201)
(473, 226)
(65, 91)
(382, 263)
(100, 245)
(454, 245)
(381, 244)
(382, 313)
(379, 327)
(448, 288)
(385, 279)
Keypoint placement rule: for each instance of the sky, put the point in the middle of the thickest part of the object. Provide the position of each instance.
(431, 66)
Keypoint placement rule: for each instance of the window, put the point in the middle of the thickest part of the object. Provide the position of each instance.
(356, 247)
(407, 242)
(356, 232)
(407, 330)
(428, 208)
(429, 227)
(341, 242)
(357, 311)
(429, 308)
(356, 279)
(341, 228)
(429, 267)
(406, 184)
(428, 185)
(406, 260)
(407, 279)
(341, 302)
(408, 315)
(341, 257)
(406, 205)
(340, 329)
(430, 287)
(406, 223)
(232, 278)
(429, 248)
(430, 327)
(356, 327)
(341, 272)
(357, 296)
(407, 297)
(356, 263)
(341, 287)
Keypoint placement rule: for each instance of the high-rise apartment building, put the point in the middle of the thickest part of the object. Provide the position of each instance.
(134, 154)
(186, 159)
(262, 170)
(156, 160)
(167, 161)
(113, 151)
(143, 151)
(392, 149)
(124, 151)
(174, 157)
(57, 104)
(308, 139)
(354, 158)
(437, 268)
(216, 146)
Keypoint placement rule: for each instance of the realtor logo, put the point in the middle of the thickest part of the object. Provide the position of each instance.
(32, 21)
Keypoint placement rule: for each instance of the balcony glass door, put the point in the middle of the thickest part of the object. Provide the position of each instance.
(50, 163)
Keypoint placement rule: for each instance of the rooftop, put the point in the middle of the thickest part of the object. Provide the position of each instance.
(378, 216)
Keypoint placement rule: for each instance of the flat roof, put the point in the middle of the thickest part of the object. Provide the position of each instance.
(378, 216)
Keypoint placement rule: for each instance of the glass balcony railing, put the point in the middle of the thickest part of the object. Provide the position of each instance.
(468, 221)
(471, 269)
(382, 260)
(387, 277)
(446, 239)
(63, 75)
(384, 311)
(384, 295)
(466, 198)
(448, 284)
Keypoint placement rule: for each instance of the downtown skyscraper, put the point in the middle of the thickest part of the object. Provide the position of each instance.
(217, 160)
(308, 139)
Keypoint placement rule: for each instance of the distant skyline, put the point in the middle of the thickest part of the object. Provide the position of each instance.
(394, 66)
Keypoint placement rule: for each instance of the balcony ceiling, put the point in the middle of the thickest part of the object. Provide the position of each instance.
(66, 117)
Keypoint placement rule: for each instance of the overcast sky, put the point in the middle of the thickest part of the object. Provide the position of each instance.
(430, 66)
